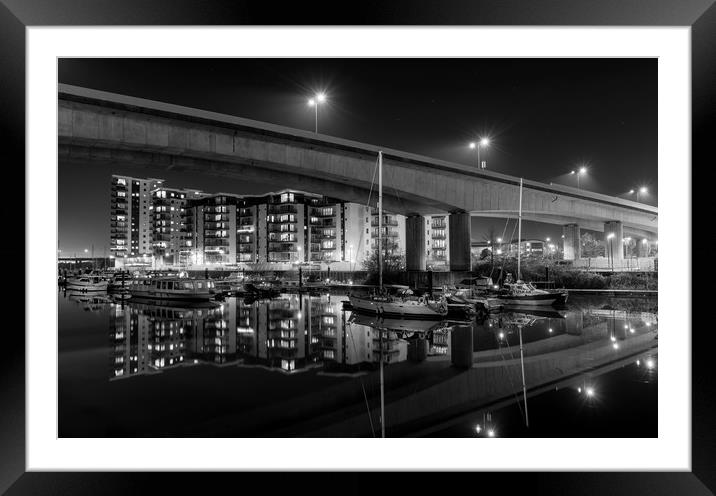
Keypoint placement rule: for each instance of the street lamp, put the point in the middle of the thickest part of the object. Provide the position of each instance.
(611, 253)
(314, 102)
(579, 172)
(641, 190)
(484, 142)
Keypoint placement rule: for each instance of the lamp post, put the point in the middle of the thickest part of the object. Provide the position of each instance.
(641, 189)
(314, 102)
(483, 142)
(579, 172)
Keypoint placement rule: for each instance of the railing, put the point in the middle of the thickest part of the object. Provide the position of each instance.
(391, 222)
(604, 264)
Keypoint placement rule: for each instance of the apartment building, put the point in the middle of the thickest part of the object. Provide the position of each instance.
(153, 225)
(131, 233)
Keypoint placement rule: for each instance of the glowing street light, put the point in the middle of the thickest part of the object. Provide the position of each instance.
(611, 252)
(641, 189)
(579, 172)
(314, 102)
(483, 142)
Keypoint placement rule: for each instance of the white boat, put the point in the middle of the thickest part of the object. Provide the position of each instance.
(522, 293)
(173, 288)
(421, 326)
(87, 283)
(405, 304)
(408, 306)
(467, 297)
(525, 294)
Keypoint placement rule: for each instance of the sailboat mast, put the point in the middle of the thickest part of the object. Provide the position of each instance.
(519, 237)
(524, 387)
(380, 219)
(382, 386)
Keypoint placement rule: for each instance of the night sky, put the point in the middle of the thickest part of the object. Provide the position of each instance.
(544, 117)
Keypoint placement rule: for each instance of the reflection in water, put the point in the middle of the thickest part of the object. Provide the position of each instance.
(293, 333)
(500, 359)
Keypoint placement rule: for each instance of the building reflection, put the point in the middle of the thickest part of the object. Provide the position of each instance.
(296, 333)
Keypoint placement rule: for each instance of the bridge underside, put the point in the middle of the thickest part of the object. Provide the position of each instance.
(280, 176)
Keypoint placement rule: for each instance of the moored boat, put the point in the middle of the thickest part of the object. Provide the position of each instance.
(403, 304)
(522, 293)
(86, 283)
(525, 294)
(173, 288)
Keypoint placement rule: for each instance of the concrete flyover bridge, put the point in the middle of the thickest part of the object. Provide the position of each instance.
(100, 127)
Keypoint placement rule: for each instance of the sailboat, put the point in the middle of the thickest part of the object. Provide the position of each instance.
(403, 304)
(522, 293)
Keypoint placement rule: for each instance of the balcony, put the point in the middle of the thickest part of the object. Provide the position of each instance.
(282, 209)
(326, 222)
(389, 222)
(386, 233)
(282, 228)
(321, 214)
(320, 234)
(216, 242)
(278, 247)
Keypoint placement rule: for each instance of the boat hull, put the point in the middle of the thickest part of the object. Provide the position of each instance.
(173, 296)
(534, 300)
(83, 287)
(396, 308)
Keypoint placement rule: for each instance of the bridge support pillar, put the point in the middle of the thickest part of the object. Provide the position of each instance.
(415, 242)
(459, 234)
(614, 245)
(461, 345)
(571, 242)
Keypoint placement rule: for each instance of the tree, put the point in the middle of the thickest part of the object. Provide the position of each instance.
(591, 247)
(392, 263)
(485, 253)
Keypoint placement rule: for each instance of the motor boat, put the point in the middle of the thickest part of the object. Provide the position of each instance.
(525, 294)
(173, 288)
(86, 283)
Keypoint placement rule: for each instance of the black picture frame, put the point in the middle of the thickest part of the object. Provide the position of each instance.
(16, 15)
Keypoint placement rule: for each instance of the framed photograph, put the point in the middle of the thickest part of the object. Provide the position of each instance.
(274, 237)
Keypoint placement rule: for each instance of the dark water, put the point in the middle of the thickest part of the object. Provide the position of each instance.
(303, 366)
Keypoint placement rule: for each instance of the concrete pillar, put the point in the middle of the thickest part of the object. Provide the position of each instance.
(418, 350)
(415, 242)
(615, 245)
(571, 242)
(459, 234)
(461, 344)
